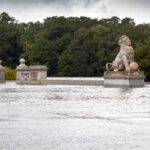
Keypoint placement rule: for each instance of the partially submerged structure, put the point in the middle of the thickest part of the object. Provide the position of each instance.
(123, 71)
(30, 75)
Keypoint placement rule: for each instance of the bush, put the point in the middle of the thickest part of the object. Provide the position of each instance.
(10, 74)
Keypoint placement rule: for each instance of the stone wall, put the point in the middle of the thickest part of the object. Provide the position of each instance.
(30, 75)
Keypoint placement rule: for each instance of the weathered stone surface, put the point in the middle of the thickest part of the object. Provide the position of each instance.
(31, 74)
(124, 79)
(123, 74)
(74, 81)
(2, 76)
(123, 71)
(134, 66)
(22, 65)
(124, 57)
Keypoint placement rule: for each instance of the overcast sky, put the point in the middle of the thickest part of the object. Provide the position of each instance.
(37, 10)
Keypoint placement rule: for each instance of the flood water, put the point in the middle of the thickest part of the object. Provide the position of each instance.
(74, 118)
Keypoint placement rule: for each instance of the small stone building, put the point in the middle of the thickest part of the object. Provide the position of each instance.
(30, 75)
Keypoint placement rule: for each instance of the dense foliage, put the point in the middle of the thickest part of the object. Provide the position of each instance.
(71, 46)
(10, 74)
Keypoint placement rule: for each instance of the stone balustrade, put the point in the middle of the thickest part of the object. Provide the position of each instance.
(30, 75)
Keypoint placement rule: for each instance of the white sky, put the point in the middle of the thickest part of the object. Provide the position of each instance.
(37, 10)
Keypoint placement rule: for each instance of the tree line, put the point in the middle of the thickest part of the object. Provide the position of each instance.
(73, 46)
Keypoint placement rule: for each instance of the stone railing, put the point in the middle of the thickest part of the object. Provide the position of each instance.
(30, 75)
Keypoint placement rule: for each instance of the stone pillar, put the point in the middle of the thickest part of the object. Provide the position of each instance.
(22, 72)
(2, 76)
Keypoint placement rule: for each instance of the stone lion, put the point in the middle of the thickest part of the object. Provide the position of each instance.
(124, 57)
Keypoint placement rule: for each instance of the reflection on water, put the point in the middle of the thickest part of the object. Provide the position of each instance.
(74, 117)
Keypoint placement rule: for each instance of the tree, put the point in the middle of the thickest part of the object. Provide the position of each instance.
(74, 46)
(10, 48)
(143, 57)
(5, 18)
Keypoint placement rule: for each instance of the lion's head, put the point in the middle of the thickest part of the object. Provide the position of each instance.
(124, 40)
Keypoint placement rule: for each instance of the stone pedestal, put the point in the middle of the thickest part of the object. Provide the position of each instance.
(2, 76)
(124, 79)
(30, 75)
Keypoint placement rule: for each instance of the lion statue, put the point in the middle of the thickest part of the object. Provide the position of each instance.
(124, 58)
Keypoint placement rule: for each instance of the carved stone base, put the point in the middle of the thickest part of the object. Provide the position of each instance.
(124, 79)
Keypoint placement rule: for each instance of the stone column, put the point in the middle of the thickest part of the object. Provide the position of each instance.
(22, 72)
(2, 76)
